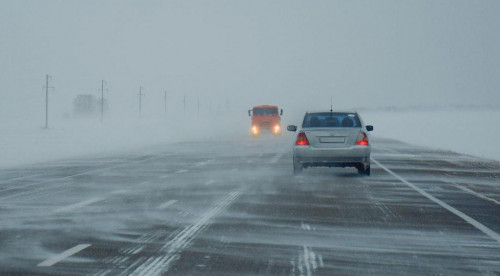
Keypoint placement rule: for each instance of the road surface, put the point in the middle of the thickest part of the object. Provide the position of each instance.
(234, 208)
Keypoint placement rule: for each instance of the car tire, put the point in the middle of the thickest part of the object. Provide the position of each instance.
(362, 170)
(297, 169)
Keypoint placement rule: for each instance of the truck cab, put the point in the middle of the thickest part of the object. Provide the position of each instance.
(265, 118)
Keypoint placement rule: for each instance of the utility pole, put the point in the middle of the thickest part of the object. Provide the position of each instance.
(47, 77)
(140, 100)
(198, 107)
(102, 101)
(184, 105)
(165, 101)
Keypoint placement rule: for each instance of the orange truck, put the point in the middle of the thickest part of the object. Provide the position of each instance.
(265, 118)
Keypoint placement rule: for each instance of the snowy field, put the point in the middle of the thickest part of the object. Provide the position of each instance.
(472, 132)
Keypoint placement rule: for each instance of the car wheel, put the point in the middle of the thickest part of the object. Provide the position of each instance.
(364, 170)
(297, 169)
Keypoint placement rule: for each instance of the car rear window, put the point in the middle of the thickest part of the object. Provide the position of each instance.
(331, 119)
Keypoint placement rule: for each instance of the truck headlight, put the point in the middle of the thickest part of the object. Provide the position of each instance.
(254, 130)
(277, 129)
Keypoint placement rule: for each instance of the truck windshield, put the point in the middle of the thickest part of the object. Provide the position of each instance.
(331, 119)
(265, 111)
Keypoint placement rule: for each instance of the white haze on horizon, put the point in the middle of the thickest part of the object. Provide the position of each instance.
(296, 54)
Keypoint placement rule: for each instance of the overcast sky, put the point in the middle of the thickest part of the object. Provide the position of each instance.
(290, 53)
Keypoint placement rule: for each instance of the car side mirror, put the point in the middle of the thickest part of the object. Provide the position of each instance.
(291, 128)
(281, 112)
(249, 112)
(369, 128)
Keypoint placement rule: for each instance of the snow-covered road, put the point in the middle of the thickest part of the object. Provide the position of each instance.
(231, 207)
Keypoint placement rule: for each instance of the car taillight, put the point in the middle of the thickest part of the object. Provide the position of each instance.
(302, 139)
(362, 139)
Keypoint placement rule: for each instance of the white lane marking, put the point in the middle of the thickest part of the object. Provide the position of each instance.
(276, 158)
(305, 226)
(467, 190)
(160, 265)
(181, 171)
(204, 163)
(164, 176)
(167, 204)
(137, 250)
(210, 182)
(63, 255)
(292, 263)
(78, 205)
(307, 261)
(481, 227)
(320, 259)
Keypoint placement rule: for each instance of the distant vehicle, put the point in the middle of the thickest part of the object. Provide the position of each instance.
(88, 105)
(332, 139)
(265, 118)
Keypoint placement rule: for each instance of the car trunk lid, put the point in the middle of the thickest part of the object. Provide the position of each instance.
(332, 138)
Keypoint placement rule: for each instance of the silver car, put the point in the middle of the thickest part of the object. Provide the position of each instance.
(332, 139)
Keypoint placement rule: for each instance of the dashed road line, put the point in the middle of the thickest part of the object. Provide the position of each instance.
(182, 171)
(78, 205)
(64, 255)
(210, 182)
(167, 204)
(204, 163)
(160, 265)
(307, 262)
(305, 226)
(481, 227)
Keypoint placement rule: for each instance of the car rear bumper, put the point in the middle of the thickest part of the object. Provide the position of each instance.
(344, 157)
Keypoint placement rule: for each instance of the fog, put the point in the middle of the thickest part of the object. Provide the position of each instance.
(170, 180)
(223, 57)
